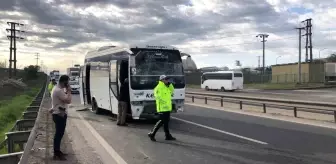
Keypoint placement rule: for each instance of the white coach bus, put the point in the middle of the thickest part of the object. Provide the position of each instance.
(105, 68)
(222, 80)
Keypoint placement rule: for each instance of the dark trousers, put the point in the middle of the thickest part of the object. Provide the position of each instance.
(60, 124)
(164, 120)
(122, 112)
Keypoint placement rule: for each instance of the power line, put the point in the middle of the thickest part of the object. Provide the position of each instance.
(299, 63)
(263, 36)
(37, 58)
(12, 47)
(308, 40)
(228, 45)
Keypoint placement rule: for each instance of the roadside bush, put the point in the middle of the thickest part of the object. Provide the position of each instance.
(12, 82)
(31, 71)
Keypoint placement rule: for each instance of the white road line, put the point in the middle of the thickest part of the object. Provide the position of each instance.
(101, 140)
(221, 131)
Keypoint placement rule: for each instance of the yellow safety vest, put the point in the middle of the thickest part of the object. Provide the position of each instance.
(163, 97)
(50, 87)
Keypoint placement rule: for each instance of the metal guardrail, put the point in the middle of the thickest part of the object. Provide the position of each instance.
(10, 158)
(32, 136)
(305, 106)
(21, 131)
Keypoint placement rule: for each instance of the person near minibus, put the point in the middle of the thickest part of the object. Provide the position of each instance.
(163, 97)
(60, 101)
(124, 99)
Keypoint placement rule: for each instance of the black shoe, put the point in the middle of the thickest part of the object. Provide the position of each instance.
(124, 124)
(151, 136)
(170, 138)
(59, 157)
(118, 124)
(63, 154)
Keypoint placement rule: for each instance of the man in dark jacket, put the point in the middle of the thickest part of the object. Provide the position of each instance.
(123, 103)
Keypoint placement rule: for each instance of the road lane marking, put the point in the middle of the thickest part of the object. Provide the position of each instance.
(102, 142)
(221, 131)
(296, 120)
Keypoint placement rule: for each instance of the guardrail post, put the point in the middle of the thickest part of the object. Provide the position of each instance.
(335, 115)
(241, 104)
(205, 100)
(192, 98)
(222, 102)
(295, 112)
(264, 108)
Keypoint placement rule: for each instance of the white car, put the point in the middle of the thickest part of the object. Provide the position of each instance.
(74, 87)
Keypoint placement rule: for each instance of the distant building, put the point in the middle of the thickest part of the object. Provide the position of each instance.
(214, 69)
(288, 73)
(189, 65)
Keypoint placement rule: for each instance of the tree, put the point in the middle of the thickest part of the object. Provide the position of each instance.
(331, 58)
(31, 71)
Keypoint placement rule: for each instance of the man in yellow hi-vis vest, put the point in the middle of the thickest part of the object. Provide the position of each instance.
(163, 96)
(51, 85)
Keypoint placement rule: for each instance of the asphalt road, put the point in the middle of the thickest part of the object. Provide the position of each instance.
(234, 138)
(323, 95)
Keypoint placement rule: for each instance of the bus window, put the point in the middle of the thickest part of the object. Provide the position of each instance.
(238, 75)
(203, 78)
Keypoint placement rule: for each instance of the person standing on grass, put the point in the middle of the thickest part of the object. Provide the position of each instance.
(163, 93)
(60, 101)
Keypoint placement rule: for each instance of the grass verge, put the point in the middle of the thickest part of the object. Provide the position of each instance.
(274, 86)
(269, 86)
(11, 110)
(193, 86)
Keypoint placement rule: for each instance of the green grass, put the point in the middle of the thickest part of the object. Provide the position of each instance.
(271, 86)
(11, 110)
(193, 86)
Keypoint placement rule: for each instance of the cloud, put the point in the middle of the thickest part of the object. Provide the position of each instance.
(224, 29)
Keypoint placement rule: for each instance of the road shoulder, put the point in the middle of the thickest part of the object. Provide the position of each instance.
(73, 143)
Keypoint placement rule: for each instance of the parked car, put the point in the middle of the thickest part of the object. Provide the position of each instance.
(74, 87)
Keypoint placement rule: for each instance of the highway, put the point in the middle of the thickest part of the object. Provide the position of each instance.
(323, 95)
(210, 136)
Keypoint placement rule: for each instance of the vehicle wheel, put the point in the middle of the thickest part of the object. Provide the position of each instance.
(94, 107)
(222, 89)
(207, 88)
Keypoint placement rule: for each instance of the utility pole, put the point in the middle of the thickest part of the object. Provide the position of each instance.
(309, 44)
(258, 62)
(299, 63)
(37, 58)
(12, 47)
(263, 36)
(42, 66)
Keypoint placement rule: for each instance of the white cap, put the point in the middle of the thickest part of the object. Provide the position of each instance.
(162, 77)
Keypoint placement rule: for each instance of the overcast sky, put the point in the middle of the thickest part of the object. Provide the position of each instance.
(214, 32)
